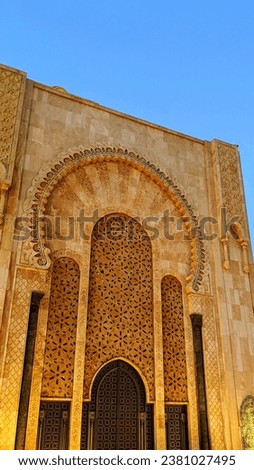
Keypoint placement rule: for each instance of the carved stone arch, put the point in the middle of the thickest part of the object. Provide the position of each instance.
(48, 178)
(247, 422)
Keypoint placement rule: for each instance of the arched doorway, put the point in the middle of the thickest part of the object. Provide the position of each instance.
(117, 416)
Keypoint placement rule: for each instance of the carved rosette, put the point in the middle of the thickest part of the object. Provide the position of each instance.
(43, 184)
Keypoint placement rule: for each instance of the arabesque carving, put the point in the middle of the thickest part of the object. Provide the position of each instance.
(43, 184)
(10, 90)
(230, 181)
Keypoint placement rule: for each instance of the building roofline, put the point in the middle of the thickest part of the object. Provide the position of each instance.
(65, 94)
(58, 90)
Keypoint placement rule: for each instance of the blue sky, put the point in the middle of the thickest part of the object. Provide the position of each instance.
(187, 65)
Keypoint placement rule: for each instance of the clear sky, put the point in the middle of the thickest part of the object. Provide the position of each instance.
(186, 65)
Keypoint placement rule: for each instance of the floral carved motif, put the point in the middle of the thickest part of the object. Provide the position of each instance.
(175, 374)
(43, 184)
(120, 307)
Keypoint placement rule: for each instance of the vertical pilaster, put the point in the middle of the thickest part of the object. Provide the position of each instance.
(79, 365)
(26, 282)
(204, 440)
(27, 370)
(159, 409)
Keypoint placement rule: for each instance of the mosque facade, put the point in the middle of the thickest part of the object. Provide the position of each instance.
(126, 280)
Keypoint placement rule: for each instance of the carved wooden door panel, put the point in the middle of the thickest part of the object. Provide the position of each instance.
(53, 428)
(176, 427)
(117, 417)
(117, 420)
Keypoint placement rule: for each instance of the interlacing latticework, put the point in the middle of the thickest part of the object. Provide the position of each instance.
(175, 375)
(61, 330)
(26, 282)
(120, 311)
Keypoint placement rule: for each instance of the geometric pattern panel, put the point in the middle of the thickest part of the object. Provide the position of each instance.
(120, 310)
(84, 427)
(176, 427)
(149, 427)
(174, 357)
(53, 425)
(61, 330)
(213, 378)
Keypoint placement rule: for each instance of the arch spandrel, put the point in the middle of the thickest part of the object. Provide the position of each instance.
(37, 251)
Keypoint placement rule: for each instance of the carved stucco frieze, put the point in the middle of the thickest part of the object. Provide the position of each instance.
(11, 98)
(232, 200)
(35, 251)
(230, 181)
